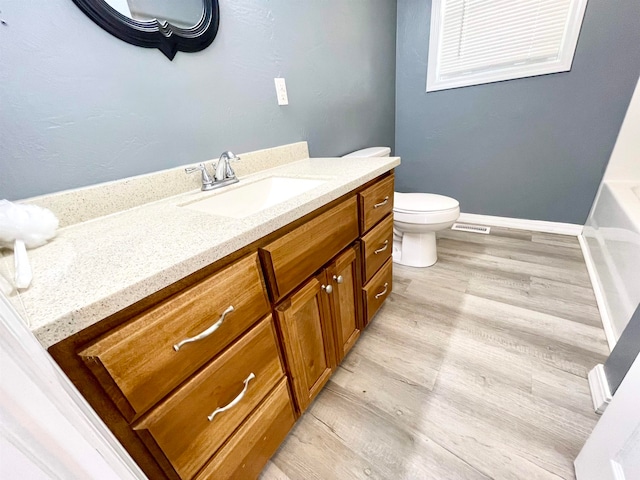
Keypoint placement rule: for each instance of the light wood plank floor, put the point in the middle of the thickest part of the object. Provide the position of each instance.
(474, 368)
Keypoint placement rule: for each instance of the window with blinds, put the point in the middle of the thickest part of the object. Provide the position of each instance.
(482, 41)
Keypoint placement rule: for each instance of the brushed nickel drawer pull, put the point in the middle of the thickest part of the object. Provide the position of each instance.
(378, 295)
(386, 245)
(236, 400)
(327, 288)
(384, 202)
(207, 332)
(338, 279)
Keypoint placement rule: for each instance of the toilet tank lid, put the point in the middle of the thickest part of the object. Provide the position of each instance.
(422, 202)
(371, 152)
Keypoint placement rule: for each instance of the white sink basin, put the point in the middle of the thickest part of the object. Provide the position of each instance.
(251, 198)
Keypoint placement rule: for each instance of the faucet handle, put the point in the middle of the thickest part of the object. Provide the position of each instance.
(206, 179)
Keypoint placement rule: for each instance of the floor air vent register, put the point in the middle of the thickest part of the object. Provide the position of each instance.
(465, 227)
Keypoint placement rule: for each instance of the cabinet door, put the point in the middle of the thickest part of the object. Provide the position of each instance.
(343, 275)
(308, 339)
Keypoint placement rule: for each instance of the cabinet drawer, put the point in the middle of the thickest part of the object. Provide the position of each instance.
(292, 258)
(377, 290)
(376, 202)
(137, 364)
(377, 246)
(191, 424)
(248, 451)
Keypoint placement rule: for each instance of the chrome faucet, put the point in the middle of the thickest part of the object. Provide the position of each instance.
(223, 175)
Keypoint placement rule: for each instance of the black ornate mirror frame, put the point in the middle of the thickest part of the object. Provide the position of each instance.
(164, 36)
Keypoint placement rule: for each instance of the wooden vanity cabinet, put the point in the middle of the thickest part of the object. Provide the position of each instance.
(253, 337)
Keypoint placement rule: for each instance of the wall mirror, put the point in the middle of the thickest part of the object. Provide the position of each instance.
(168, 25)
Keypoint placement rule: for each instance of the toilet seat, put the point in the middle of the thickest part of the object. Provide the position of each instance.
(424, 208)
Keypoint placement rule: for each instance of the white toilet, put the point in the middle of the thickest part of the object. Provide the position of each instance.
(416, 219)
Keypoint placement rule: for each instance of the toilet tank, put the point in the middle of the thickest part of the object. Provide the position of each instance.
(371, 152)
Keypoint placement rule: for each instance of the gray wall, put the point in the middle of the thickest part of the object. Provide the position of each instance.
(532, 148)
(78, 106)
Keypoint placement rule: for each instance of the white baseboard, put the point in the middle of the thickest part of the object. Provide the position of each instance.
(522, 224)
(600, 393)
(598, 290)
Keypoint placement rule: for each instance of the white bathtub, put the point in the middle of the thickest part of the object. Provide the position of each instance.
(611, 243)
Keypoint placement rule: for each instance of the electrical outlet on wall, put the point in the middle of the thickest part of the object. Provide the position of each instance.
(281, 91)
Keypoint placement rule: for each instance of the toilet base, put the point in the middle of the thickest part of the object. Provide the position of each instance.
(415, 249)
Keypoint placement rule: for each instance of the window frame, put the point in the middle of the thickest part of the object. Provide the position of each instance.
(562, 64)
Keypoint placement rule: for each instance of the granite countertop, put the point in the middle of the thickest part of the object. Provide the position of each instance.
(93, 269)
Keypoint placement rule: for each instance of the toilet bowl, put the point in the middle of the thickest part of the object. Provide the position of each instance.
(416, 219)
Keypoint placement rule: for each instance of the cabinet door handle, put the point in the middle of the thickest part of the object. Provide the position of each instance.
(327, 288)
(378, 295)
(382, 249)
(338, 279)
(236, 400)
(384, 202)
(207, 332)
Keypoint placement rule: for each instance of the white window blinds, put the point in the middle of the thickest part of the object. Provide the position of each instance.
(481, 41)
